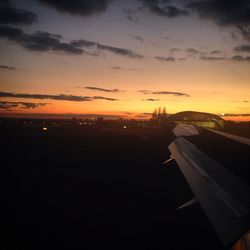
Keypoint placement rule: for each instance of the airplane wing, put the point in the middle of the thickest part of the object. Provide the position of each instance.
(232, 137)
(223, 196)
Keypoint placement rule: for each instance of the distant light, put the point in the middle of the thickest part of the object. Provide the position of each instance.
(45, 129)
(222, 114)
(124, 127)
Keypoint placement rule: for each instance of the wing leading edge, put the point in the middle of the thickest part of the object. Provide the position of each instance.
(224, 197)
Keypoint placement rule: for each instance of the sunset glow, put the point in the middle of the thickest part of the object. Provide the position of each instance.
(122, 59)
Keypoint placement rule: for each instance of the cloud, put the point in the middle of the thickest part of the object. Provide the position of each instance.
(160, 8)
(23, 105)
(38, 41)
(104, 98)
(122, 68)
(245, 101)
(245, 31)
(10, 33)
(67, 48)
(243, 48)
(215, 52)
(239, 58)
(78, 7)
(10, 15)
(131, 14)
(151, 100)
(212, 58)
(168, 11)
(137, 38)
(165, 59)
(119, 51)
(127, 113)
(236, 114)
(7, 67)
(225, 13)
(83, 43)
(60, 97)
(44, 41)
(104, 90)
(147, 92)
(193, 52)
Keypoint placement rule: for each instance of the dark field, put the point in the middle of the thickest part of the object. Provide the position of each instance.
(96, 189)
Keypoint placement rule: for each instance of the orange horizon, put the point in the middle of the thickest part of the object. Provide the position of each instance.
(114, 115)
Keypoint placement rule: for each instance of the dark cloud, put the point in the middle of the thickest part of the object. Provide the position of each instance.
(131, 14)
(193, 52)
(116, 67)
(168, 11)
(38, 41)
(127, 113)
(122, 68)
(215, 52)
(245, 31)
(104, 90)
(165, 59)
(119, 51)
(83, 43)
(78, 7)
(23, 105)
(239, 58)
(245, 101)
(138, 38)
(104, 98)
(60, 97)
(67, 48)
(147, 92)
(161, 8)
(225, 12)
(7, 67)
(236, 114)
(43, 41)
(212, 58)
(243, 48)
(151, 100)
(10, 33)
(10, 15)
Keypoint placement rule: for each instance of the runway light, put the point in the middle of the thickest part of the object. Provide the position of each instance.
(45, 129)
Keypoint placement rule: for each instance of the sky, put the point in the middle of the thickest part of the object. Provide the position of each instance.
(125, 58)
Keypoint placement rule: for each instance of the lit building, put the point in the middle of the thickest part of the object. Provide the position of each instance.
(200, 119)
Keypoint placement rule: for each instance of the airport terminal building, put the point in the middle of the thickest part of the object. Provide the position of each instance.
(200, 119)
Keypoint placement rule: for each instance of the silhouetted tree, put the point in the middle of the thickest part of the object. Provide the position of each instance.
(164, 113)
(154, 115)
(159, 113)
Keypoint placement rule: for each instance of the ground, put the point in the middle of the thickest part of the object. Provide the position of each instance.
(96, 189)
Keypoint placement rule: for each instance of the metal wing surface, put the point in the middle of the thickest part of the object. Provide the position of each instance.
(223, 196)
